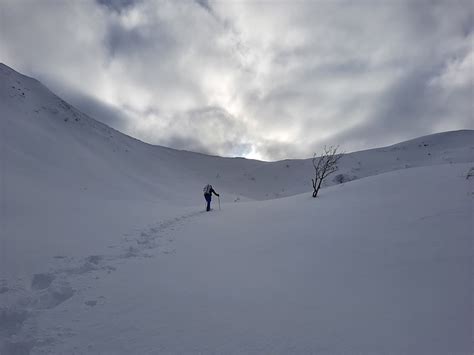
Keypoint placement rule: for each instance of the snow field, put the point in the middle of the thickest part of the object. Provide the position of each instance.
(105, 248)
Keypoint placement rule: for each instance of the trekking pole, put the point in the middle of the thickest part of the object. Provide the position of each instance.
(219, 199)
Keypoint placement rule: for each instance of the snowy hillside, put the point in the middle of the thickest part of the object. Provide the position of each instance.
(105, 249)
(49, 140)
(65, 174)
(280, 276)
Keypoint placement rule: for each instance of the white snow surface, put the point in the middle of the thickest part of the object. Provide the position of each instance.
(105, 247)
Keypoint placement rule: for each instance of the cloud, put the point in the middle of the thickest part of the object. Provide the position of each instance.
(210, 130)
(91, 106)
(117, 5)
(270, 80)
(205, 5)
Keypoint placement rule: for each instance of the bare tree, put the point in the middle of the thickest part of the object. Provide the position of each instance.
(324, 166)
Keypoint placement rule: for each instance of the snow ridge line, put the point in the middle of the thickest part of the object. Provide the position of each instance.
(20, 305)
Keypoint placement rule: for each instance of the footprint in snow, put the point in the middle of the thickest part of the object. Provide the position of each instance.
(51, 289)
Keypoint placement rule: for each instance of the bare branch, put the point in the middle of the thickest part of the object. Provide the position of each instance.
(325, 166)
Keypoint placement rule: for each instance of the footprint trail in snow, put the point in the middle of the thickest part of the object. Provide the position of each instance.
(22, 301)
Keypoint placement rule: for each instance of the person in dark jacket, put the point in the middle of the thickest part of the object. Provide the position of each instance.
(208, 191)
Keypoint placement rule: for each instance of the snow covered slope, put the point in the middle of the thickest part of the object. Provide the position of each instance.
(47, 140)
(66, 177)
(99, 217)
(382, 265)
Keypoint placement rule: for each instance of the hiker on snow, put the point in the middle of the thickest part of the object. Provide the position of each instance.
(208, 191)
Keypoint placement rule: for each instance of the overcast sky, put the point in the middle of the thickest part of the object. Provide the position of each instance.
(260, 79)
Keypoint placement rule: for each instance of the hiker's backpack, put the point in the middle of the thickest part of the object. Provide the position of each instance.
(207, 189)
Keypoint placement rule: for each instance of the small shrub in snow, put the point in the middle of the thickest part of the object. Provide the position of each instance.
(342, 178)
(470, 173)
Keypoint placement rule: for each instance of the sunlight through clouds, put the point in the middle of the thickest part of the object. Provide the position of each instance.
(292, 76)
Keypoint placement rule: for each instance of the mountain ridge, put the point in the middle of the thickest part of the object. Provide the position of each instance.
(9, 71)
(42, 130)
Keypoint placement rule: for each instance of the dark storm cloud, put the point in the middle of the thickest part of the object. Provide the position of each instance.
(117, 5)
(205, 4)
(410, 108)
(262, 79)
(125, 41)
(404, 107)
(119, 40)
